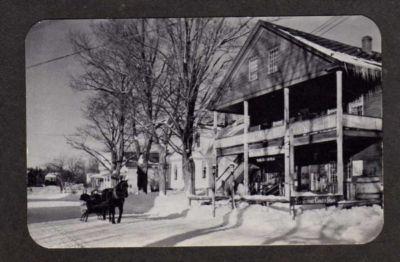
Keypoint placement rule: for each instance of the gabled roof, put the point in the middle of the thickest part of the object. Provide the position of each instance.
(331, 49)
(339, 54)
(328, 43)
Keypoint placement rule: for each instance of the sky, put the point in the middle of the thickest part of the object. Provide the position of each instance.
(54, 109)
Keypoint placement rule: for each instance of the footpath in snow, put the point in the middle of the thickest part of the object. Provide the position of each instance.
(49, 204)
(48, 192)
(171, 223)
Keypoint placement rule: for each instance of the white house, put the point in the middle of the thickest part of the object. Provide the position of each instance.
(202, 157)
(51, 178)
(99, 181)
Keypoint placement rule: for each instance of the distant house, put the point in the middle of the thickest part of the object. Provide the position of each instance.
(312, 116)
(99, 181)
(103, 179)
(51, 179)
(202, 157)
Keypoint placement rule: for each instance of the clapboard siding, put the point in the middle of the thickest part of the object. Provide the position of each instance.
(372, 159)
(294, 63)
(371, 152)
(373, 103)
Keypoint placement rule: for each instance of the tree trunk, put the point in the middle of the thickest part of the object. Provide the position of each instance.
(162, 166)
(143, 180)
(121, 143)
(188, 173)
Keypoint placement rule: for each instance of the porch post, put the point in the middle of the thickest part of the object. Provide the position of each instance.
(287, 151)
(215, 155)
(339, 130)
(246, 147)
(291, 162)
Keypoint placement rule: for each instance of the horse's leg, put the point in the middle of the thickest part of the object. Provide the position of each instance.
(83, 217)
(112, 214)
(104, 213)
(121, 209)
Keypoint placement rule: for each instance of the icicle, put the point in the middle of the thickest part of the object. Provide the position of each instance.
(366, 73)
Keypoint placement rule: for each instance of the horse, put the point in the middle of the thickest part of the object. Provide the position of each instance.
(115, 197)
(94, 204)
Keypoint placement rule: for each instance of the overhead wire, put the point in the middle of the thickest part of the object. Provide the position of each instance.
(79, 51)
(335, 25)
(324, 24)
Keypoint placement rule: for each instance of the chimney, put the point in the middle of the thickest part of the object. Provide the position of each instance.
(366, 43)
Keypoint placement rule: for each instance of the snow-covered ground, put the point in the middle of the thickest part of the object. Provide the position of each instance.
(47, 192)
(171, 223)
(49, 204)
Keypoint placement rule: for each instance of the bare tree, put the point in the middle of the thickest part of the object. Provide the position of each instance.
(122, 63)
(166, 68)
(76, 166)
(92, 165)
(198, 51)
(103, 138)
(105, 73)
(56, 165)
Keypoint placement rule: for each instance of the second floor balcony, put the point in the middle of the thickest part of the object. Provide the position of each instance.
(353, 125)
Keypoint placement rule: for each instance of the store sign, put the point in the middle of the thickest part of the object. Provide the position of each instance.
(265, 159)
(309, 200)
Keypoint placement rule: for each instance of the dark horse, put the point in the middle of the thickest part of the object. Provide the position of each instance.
(94, 204)
(115, 197)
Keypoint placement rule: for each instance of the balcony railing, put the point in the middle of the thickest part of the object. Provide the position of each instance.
(315, 125)
(362, 122)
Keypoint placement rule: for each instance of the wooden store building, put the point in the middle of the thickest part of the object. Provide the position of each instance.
(309, 113)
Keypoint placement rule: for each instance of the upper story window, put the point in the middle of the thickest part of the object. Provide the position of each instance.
(253, 69)
(356, 107)
(273, 57)
(131, 159)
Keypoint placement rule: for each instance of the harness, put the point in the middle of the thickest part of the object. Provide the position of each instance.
(115, 193)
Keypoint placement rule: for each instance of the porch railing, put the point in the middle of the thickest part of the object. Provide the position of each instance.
(314, 125)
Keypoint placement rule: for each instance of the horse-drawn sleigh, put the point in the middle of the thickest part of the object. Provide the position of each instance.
(106, 201)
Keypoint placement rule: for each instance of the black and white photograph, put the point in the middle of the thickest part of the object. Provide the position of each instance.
(204, 131)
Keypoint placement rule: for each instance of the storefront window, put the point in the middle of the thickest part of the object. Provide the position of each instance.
(320, 178)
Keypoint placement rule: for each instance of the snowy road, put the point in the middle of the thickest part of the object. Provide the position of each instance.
(247, 225)
(46, 209)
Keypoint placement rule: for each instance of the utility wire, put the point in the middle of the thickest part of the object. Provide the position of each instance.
(58, 58)
(335, 25)
(83, 50)
(324, 25)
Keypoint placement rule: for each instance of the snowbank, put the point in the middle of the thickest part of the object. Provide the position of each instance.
(358, 225)
(47, 192)
(197, 211)
(257, 224)
(175, 202)
(246, 225)
(260, 225)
